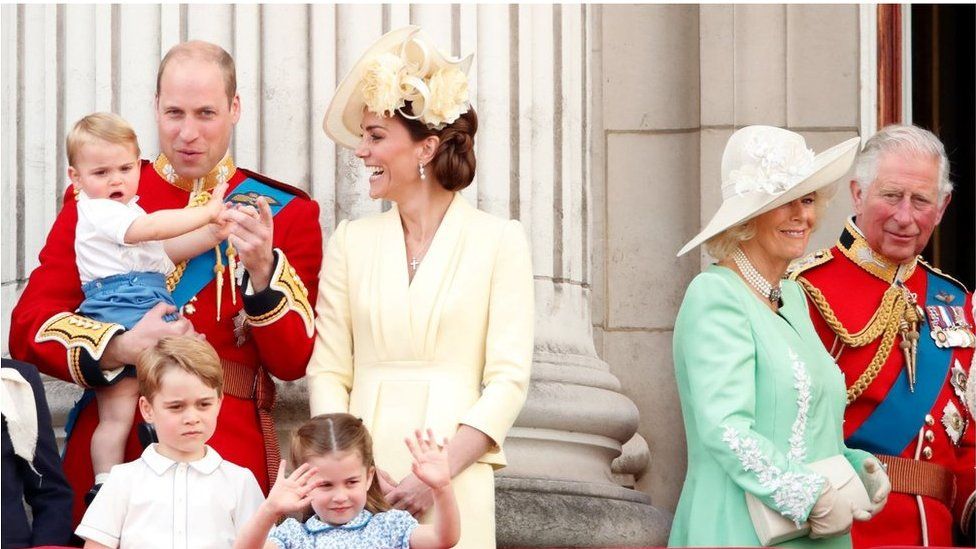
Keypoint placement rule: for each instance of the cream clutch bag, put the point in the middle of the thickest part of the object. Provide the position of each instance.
(772, 527)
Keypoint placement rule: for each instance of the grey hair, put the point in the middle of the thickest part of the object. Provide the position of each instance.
(905, 138)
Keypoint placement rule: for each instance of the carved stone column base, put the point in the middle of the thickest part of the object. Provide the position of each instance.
(556, 513)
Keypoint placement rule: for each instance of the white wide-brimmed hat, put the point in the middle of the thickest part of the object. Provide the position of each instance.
(403, 65)
(764, 167)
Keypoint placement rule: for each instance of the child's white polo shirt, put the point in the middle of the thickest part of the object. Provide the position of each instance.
(157, 502)
(100, 248)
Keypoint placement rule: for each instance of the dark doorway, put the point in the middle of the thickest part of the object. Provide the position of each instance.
(944, 101)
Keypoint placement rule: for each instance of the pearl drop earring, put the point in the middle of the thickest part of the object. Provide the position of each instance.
(422, 174)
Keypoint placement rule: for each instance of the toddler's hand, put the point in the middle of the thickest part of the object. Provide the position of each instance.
(430, 463)
(292, 493)
(216, 204)
(221, 227)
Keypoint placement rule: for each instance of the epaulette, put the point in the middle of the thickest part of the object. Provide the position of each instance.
(276, 184)
(807, 262)
(935, 270)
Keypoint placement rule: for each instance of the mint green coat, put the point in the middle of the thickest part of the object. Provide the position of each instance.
(760, 398)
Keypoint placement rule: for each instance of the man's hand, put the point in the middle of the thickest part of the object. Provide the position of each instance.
(251, 234)
(125, 348)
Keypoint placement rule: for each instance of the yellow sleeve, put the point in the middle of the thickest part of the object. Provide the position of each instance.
(329, 371)
(509, 340)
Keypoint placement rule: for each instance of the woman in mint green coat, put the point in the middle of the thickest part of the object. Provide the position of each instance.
(760, 396)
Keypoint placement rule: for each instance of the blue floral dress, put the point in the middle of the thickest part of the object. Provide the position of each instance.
(387, 530)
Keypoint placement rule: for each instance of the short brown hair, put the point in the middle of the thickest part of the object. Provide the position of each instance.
(327, 433)
(189, 354)
(205, 51)
(99, 126)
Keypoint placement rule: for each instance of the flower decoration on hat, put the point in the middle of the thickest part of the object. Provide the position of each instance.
(438, 95)
(772, 166)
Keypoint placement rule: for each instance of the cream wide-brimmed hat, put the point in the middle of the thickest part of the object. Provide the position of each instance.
(764, 167)
(403, 65)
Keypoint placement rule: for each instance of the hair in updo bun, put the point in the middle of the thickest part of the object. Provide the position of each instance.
(453, 164)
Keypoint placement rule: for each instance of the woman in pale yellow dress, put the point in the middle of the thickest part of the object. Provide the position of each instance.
(425, 312)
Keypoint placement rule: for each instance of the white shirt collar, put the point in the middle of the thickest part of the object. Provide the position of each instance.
(159, 463)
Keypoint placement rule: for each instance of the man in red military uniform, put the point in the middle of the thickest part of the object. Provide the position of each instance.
(251, 297)
(902, 333)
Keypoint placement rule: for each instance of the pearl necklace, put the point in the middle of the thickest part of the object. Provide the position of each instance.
(756, 280)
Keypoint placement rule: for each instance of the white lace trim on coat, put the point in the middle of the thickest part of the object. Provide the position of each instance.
(793, 493)
(798, 445)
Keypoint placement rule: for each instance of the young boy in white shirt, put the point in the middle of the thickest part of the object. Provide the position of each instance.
(124, 254)
(180, 493)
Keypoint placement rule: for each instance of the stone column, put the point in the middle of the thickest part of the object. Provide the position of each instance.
(575, 420)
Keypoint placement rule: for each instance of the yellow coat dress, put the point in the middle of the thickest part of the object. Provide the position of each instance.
(453, 346)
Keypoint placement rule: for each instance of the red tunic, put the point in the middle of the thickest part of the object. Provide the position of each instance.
(853, 282)
(279, 341)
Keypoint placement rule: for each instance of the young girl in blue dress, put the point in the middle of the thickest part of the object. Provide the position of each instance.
(337, 482)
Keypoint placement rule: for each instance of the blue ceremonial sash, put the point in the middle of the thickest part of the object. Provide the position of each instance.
(200, 270)
(897, 419)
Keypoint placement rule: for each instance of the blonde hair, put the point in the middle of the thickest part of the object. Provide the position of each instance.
(328, 433)
(204, 51)
(189, 354)
(724, 243)
(100, 126)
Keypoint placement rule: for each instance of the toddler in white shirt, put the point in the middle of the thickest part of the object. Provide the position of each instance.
(124, 254)
(180, 494)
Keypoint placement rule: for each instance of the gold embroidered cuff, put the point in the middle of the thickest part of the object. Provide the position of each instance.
(285, 280)
(77, 332)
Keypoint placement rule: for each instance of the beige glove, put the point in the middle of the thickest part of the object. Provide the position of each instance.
(831, 515)
(875, 481)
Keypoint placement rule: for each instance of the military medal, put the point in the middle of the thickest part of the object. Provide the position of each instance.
(953, 422)
(240, 328)
(939, 326)
(962, 327)
(958, 379)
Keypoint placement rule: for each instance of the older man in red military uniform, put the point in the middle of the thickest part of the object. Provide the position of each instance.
(250, 296)
(902, 333)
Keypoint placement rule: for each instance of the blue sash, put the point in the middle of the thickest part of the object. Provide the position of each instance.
(897, 419)
(200, 270)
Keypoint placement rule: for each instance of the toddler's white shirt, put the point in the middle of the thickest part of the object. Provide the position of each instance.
(100, 248)
(156, 502)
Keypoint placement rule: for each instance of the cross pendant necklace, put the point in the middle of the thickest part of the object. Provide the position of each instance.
(416, 259)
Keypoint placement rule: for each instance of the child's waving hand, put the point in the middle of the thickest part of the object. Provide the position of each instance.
(292, 493)
(429, 459)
